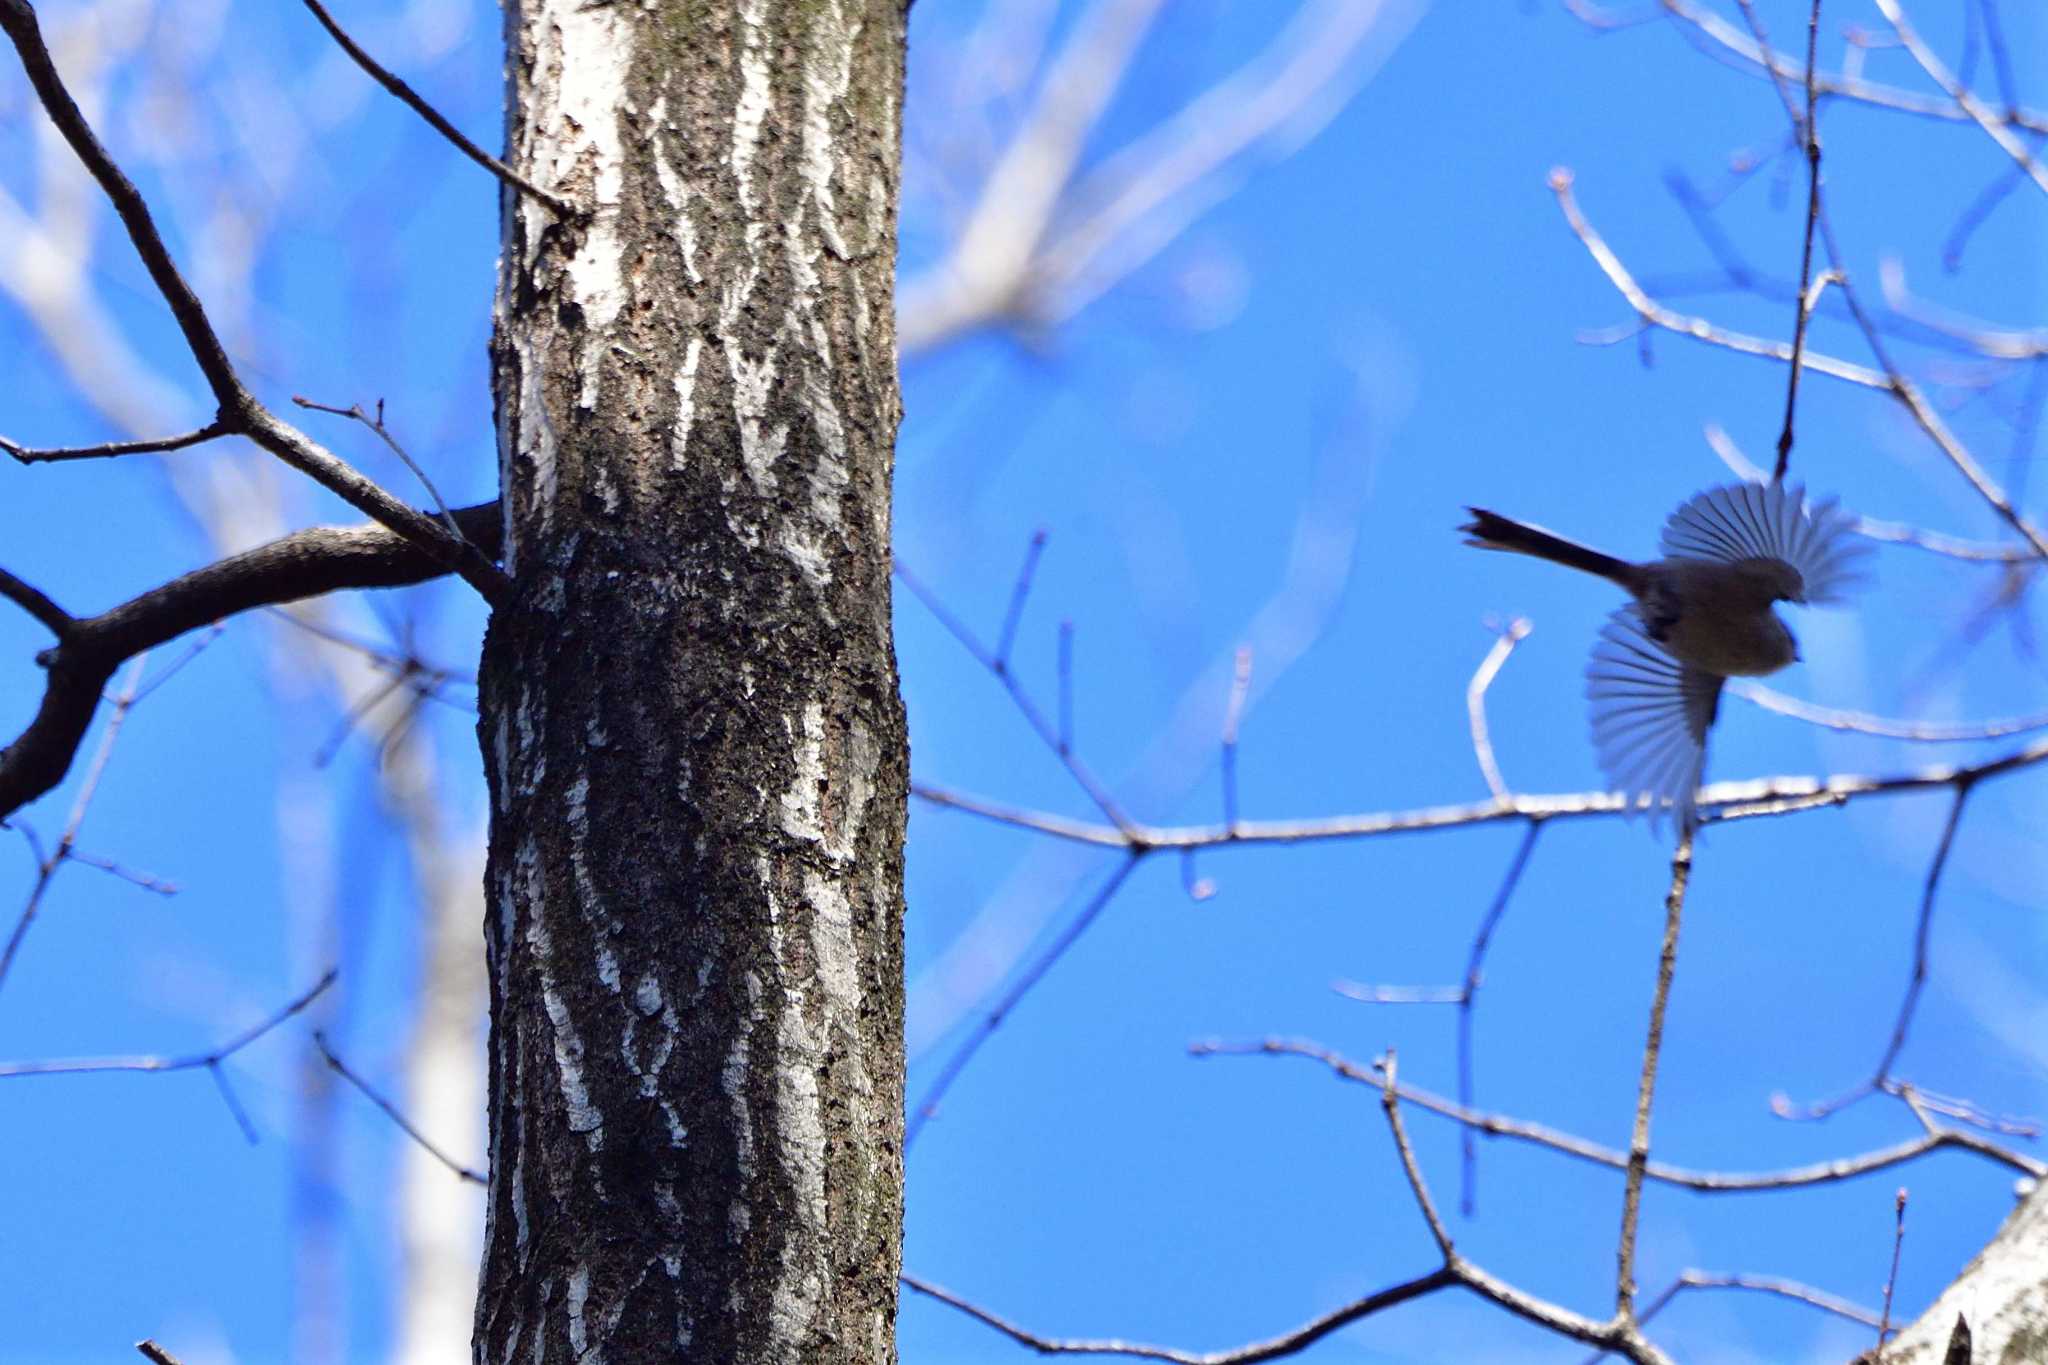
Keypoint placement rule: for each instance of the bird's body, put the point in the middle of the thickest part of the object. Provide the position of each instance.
(1699, 615)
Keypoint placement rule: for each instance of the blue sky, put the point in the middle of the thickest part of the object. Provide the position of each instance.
(1266, 434)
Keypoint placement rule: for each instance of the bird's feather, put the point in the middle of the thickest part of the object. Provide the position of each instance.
(1650, 716)
(1771, 521)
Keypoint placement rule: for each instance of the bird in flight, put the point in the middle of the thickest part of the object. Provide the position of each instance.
(1698, 616)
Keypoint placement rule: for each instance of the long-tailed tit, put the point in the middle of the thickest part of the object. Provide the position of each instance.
(1700, 614)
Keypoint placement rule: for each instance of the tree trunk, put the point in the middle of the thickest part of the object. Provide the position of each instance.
(690, 718)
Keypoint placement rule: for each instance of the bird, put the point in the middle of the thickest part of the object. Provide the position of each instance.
(1696, 617)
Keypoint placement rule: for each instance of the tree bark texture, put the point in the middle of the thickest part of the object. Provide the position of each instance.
(690, 716)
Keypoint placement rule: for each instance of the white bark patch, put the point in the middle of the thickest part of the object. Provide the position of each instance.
(733, 1076)
(682, 228)
(803, 812)
(803, 808)
(536, 431)
(828, 72)
(592, 52)
(686, 404)
(756, 94)
(800, 1288)
(753, 382)
(583, 1116)
(833, 945)
(579, 1332)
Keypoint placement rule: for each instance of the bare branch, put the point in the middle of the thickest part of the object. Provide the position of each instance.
(1270, 1349)
(1999, 127)
(1657, 315)
(48, 867)
(1766, 64)
(1807, 297)
(1504, 644)
(1653, 1051)
(1030, 977)
(1936, 1138)
(31, 455)
(1859, 722)
(1885, 532)
(391, 1111)
(304, 564)
(1390, 1101)
(240, 412)
(209, 1060)
(1721, 801)
(1888, 379)
(413, 101)
(1891, 1279)
(37, 604)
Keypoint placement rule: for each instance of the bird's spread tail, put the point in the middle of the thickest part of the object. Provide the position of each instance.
(1492, 531)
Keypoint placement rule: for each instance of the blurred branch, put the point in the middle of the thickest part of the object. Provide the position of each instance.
(1041, 241)
(1888, 379)
(1886, 532)
(1859, 722)
(1765, 63)
(392, 1112)
(1999, 127)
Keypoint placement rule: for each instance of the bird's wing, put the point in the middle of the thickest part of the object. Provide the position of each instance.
(1771, 521)
(1650, 717)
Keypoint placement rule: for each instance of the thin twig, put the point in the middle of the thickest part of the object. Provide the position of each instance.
(1891, 1279)
(1887, 379)
(1937, 1137)
(51, 454)
(1468, 1158)
(434, 119)
(391, 1111)
(1998, 126)
(1013, 616)
(1504, 644)
(1288, 1343)
(1923, 933)
(928, 1105)
(998, 664)
(62, 853)
(209, 1060)
(1806, 297)
(1390, 1101)
(1863, 723)
(354, 412)
(1653, 1051)
(1781, 795)
(1759, 1284)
